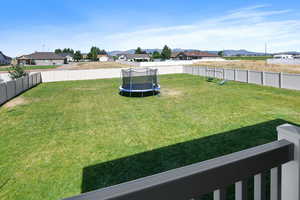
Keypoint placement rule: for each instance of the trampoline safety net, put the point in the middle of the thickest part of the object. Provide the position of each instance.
(141, 79)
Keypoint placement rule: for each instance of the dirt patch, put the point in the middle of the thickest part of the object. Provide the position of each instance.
(258, 65)
(171, 92)
(16, 102)
(93, 65)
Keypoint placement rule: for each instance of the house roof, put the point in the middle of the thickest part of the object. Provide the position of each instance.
(136, 56)
(175, 54)
(7, 57)
(199, 54)
(42, 56)
(65, 54)
(102, 55)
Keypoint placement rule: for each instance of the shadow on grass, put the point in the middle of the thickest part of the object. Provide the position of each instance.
(178, 155)
(139, 94)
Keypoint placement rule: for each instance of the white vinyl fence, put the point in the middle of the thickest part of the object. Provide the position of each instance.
(170, 62)
(12, 88)
(68, 75)
(274, 79)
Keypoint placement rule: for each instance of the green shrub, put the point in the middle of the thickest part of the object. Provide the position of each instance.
(16, 71)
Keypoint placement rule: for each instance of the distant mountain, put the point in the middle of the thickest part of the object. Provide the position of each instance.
(241, 52)
(290, 53)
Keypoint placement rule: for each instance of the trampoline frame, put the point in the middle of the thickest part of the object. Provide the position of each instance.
(155, 86)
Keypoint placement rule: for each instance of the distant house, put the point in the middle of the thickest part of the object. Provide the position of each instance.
(194, 55)
(68, 56)
(4, 60)
(134, 57)
(103, 58)
(283, 56)
(42, 58)
(85, 57)
(174, 55)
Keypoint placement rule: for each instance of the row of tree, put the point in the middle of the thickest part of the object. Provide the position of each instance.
(65, 50)
(77, 55)
(94, 52)
(165, 53)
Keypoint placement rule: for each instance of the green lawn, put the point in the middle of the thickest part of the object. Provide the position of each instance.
(77, 136)
(248, 57)
(32, 67)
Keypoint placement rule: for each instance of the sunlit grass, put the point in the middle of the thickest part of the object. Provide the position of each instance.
(66, 127)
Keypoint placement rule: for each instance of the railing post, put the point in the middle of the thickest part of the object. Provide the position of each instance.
(290, 186)
(220, 194)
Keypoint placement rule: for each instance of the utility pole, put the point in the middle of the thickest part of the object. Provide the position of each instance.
(266, 62)
(266, 49)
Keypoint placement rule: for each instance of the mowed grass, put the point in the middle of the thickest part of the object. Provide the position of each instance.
(73, 137)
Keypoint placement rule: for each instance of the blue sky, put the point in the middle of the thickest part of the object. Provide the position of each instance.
(33, 25)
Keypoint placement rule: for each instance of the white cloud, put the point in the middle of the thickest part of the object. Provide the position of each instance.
(245, 28)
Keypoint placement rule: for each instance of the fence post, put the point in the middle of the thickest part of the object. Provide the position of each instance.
(15, 84)
(215, 73)
(280, 79)
(247, 76)
(290, 187)
(234, 74)
(263, 78)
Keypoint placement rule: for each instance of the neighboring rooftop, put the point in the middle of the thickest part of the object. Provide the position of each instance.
(133, 56)
(42, 56)
(7, 57)
(174, 54)
(65, 54)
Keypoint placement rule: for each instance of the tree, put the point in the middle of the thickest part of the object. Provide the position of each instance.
(68, 50)
(221, 53)
(166, 53)
(139, 51)
(94, 52)
(102, 52)
(17, 72)
(58, 51)
(156, 55)
(77, 56)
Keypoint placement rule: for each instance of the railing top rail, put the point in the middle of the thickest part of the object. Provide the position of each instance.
(200, 178)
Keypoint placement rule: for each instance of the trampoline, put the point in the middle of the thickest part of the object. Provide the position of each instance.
(139, 80)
